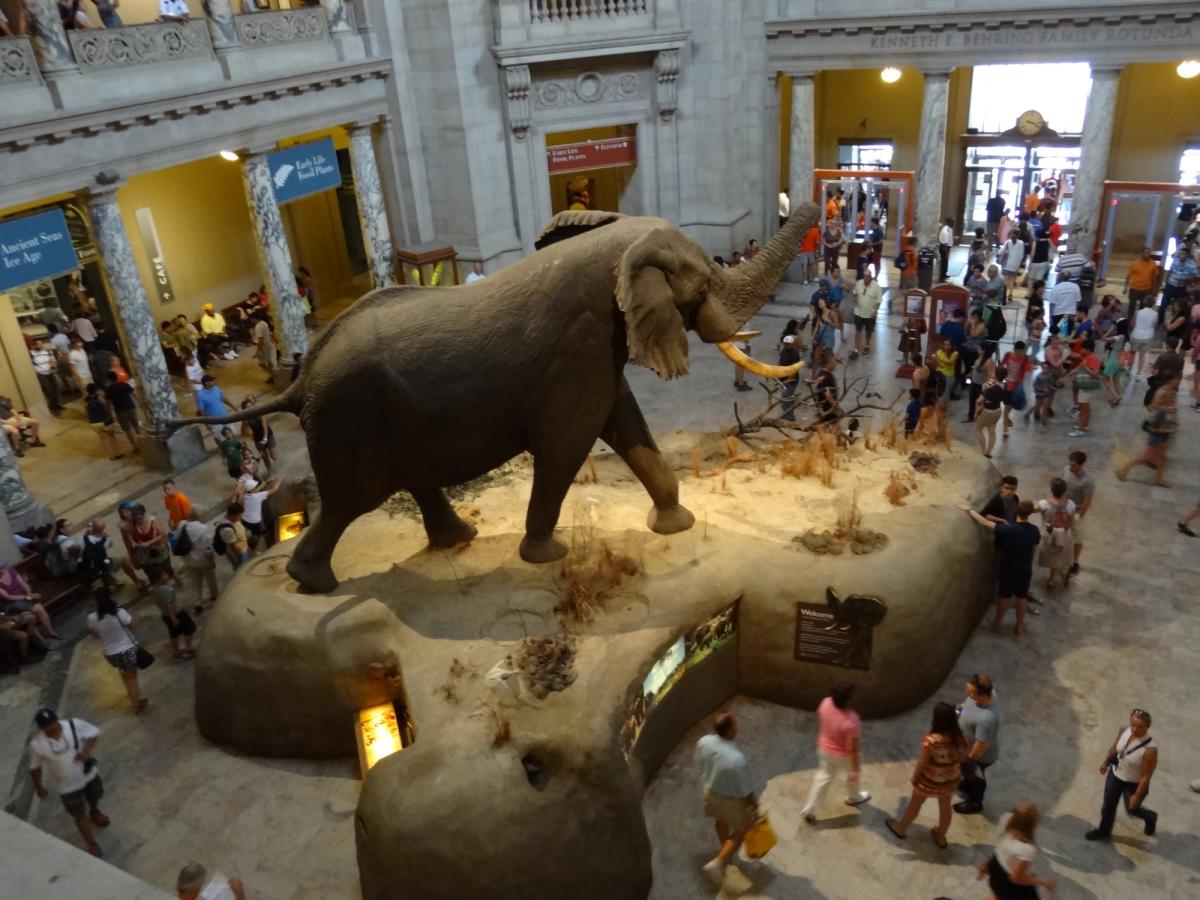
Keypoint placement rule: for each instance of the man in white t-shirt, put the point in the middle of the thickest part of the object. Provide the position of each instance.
(945, 242)
(476, 273)
(252, 500)
(1064, 301)
(193, 883)
(61, 754)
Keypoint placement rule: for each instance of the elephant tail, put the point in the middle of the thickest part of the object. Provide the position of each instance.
(290, 400)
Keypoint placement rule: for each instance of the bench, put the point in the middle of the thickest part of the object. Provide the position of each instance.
(57, 592)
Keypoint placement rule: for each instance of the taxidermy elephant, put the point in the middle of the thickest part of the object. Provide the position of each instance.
(417, 388)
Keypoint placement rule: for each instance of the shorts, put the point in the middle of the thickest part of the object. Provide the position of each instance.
(104, 427)
(1015, 584)
(76, 803)
(185, 628)
(127, 419)
(987, 418)
(864, 324)
(125, 661)
(1003, 887)
(255, 528)
(1154, 439)
(733, 812)
(827, 336)
(1140, 345)
(17, 607)
(1077, 530)
(806, 259)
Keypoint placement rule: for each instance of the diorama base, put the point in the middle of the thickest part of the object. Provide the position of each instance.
(530, 786)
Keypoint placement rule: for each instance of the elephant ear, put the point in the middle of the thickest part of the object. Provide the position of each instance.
(654, 329)
(571, 222)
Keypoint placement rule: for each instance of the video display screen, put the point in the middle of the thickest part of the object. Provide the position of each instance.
(684, 653)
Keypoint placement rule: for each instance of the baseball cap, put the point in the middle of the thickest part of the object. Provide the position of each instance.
(789, 339)
(127, 505)
(45, 717)
(208, 307)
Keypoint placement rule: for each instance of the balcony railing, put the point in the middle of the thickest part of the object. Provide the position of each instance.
(17, 62)
(282, 26)
(135, 45)
(573, 10)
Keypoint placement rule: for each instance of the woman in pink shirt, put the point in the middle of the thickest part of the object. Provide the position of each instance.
(837, 748)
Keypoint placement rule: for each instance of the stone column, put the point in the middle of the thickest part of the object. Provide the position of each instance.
(372, 211)
(275, 255)
(220, 24)
(161, 449)
(931, 159)
(48, 37)
(803, 157)
(339, 17)
(19, 505)
(1094, 145)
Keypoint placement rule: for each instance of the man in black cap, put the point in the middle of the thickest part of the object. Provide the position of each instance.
(64, 750)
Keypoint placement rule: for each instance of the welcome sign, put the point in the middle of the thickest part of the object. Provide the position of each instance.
(35, 248)
(304, 170)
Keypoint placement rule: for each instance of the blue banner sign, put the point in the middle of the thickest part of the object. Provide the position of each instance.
(35, 248)
(304, 170)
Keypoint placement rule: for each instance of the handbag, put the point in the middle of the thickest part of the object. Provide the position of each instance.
(145, 659)
(760, 839)
(90, 763)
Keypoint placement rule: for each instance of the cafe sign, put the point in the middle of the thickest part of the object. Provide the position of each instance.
(587, 155)
(35, 248)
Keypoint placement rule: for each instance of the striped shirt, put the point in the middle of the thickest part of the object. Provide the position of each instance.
(1071, 264)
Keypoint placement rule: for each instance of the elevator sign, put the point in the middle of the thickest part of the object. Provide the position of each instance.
(591, 155)
(304, 170)
(35, 248)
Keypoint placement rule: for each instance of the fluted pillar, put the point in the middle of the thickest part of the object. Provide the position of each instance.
(275, 255)
(219, 14)
(372, 211)
(339, 16)
(803, 155)
(1094, 145)
(931, 158)
(19, 505)
(48, 37)
(161, 449)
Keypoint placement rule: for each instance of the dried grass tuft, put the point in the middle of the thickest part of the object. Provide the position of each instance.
(501, 730)
(587, 583)
(900, 484)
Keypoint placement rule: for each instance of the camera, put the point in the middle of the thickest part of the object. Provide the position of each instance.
(1112, 762)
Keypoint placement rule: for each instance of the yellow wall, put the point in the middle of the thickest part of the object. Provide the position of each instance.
(856, 104)
(607, 186)
(205, 231)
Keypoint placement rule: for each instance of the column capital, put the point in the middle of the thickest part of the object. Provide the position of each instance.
(937, 72)
(104, 187)
(259, 148)
(1107, 70)
(800, 75)
(368, 123)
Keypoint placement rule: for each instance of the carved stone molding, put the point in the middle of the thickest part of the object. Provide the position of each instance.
(135, 45)
(517, 82)
(588, 88)
(666, 73)
(17, 62)
(282, 26)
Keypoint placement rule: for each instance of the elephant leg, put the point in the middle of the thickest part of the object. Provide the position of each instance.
(442, 523)
(310, 562)
(626, 432)
(552, 478)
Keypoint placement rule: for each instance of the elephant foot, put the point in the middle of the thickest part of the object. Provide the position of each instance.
(542, 550)
(671, 520)
(453, 534)
(314, 578)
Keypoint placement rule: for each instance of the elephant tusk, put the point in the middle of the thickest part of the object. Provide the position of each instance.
(764, 370)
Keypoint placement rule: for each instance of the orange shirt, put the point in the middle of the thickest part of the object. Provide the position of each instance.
(1143, 273)
(178, 506)
(812, 240)
(831, 209)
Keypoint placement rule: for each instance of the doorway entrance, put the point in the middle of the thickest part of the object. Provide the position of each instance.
(594, 168)
(1163, 209)
(1012, 171)
(870, 194)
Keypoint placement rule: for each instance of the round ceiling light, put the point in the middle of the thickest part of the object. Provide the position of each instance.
(1189, 68)
(229, 155)
(890, 75)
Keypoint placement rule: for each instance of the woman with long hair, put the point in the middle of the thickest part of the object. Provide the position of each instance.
(114, 627)
(1009, 868)
(936, 775)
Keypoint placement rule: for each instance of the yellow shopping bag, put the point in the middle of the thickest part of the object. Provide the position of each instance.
(760, 839)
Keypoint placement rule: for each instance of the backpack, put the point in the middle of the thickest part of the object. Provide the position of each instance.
(996, 326)
(181, 541)
(1059, 517)
(93, 558)
(218, 543)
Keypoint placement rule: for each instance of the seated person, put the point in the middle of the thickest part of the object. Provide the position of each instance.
(14, 646)
(19, 602)
(214, 331)
(13, 421)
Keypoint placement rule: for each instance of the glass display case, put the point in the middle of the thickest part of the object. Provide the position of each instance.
(429, 265)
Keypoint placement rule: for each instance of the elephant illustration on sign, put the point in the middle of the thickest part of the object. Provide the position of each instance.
(418, 389)
(857, 615)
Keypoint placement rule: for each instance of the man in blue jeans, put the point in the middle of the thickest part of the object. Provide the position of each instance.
(981, 727)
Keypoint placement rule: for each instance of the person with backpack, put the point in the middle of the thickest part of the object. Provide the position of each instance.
(229, 536)
(180, 626)
(1058, 550)
(96, 559)
(194, 547)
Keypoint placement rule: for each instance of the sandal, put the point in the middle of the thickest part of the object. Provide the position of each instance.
(888, 823)
(938, 839)
(94, 849)
(141, 707)
(99, 819)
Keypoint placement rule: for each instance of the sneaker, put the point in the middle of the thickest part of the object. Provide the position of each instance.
(967, 808)
(1196, 407)
(1184, 529)
(866, 350)
(858, 800)
(1096, 835)
(854, 354)
(714, 871)
(1035, 600)
(1073, 410)
(1077, 432)
(1074, 570)
(1151, 826)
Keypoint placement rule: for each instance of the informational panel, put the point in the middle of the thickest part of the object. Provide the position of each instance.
(304, 170)
(35, 248)
(822, 638)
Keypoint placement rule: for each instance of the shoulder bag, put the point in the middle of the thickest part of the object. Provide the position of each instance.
(145, 659)
(89, 764)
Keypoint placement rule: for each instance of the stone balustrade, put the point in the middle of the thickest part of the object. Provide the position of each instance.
(17, 62)
(572, 10)
(282, 26)
(135, 45)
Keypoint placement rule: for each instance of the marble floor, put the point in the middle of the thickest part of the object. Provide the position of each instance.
(1122, 635)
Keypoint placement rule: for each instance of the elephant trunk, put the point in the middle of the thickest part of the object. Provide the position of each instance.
(745, 289)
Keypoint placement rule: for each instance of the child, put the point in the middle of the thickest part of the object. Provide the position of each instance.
(231, 449)
(1017, 365)
(1044, 383)
(912, 412)
(1112, 370)
(1037, 328)
(179, 623)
